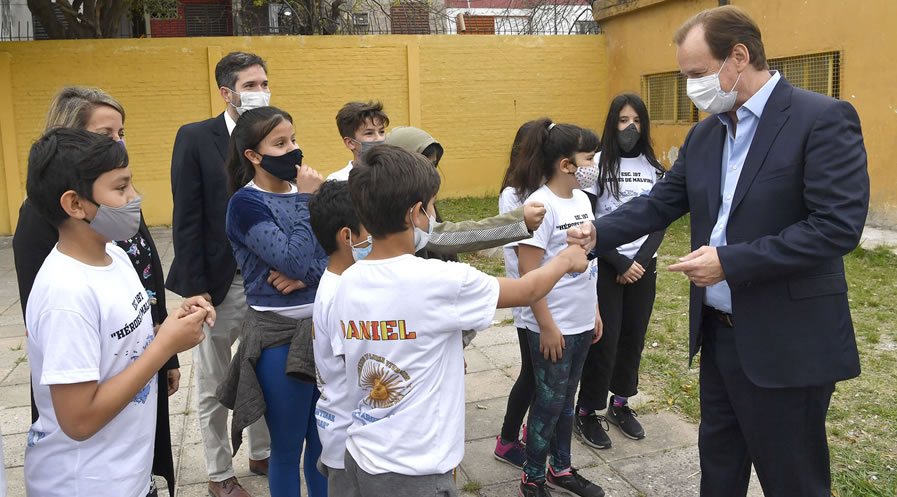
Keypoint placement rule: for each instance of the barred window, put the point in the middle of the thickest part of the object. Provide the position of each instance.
(666, 98)
(815, 72)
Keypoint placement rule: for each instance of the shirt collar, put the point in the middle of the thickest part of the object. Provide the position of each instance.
(757, 102)
(229, 122)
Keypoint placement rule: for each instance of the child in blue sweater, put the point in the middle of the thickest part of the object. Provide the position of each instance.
(268, 228)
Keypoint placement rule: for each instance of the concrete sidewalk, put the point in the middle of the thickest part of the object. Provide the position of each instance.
(663, 464)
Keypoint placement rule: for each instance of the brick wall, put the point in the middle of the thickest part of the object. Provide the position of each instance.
(169, 28)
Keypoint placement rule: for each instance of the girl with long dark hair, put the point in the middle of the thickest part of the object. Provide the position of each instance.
(273, 373)
(627, 277)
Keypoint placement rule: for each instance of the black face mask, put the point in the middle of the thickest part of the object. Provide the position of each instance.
(283, 166)
(627, 138)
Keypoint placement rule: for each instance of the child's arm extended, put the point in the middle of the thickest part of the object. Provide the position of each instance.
(551, 341)
(468, 236)
(82, 409)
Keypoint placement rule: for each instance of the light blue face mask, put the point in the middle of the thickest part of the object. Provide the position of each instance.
(421, 237)
(359, 253)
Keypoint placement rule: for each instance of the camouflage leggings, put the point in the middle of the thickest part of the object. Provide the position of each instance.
(550, 424)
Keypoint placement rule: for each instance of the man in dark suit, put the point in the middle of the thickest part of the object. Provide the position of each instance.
(204, 263)
(777, 188)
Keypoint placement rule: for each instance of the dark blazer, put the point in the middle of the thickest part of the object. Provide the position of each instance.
(800, 204)
(203, 258)
(33, 241)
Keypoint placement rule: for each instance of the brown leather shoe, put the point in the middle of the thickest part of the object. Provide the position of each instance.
(227, 488)
(259, 467)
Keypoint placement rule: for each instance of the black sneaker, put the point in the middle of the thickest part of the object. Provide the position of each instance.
(533, 489)
(571, 481)
(592, 430)
(624, 417)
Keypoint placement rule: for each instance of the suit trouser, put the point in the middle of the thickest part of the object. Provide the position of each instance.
(211, 359)
(613, 362)
(780, 430)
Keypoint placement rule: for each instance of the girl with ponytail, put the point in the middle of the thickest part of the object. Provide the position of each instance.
(561, 327)
(273, 373)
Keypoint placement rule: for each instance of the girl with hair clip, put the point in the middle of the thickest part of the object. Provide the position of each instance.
(96, 111)
(627, 276)
(273, 371)
(508, 447)
(561, 327)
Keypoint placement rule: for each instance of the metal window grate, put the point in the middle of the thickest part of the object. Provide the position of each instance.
(206, 19)
(665, 96)
(815, 72)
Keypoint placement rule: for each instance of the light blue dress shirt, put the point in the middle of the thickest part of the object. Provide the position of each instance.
(735, 150)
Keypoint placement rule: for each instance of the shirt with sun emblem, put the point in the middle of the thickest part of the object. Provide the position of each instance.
(401, 328)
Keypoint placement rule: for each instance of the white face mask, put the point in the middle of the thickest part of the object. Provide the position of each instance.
(587, 176)
(421, 237)
(251, 100)
(707, 94)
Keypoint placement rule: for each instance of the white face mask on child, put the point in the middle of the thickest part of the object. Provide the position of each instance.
(421, 237)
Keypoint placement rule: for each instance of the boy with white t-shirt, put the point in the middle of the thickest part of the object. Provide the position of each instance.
(361, 126)
(91, 346)
(401, 319)
(344, 240)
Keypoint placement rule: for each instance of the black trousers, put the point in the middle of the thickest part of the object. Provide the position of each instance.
(613, 362)
(781, 431)
(522, 392)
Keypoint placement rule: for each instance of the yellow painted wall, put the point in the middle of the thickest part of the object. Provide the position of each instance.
(470, 93)
(639, 41)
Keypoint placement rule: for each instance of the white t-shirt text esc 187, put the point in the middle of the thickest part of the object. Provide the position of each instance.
(88, 323)
(573, 299)
(402, 319)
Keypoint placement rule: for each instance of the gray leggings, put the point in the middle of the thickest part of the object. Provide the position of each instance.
(362, 484)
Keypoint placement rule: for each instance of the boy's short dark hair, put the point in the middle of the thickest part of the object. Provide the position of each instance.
(387, 184)
(66, 159)
(330, 210)
(354, 114)
(231, 64)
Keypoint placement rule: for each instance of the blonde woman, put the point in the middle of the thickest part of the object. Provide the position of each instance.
(94, 110)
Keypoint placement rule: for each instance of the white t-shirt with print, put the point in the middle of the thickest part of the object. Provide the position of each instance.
(333, 411)
(401, 319)
(88, 323)
(508, 202)
(573, 299)
(342, 174)
(637, 177)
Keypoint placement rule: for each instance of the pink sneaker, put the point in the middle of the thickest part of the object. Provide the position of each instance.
(513, 453)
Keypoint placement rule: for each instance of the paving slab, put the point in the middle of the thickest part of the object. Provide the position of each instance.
(503, 355)
(15, 420)
(15, 396)
(484, 418)
(495, 336)
(14, 450)
(664, 431)
(476, 360)
(486, 385)
(12, 331)
(19, 375)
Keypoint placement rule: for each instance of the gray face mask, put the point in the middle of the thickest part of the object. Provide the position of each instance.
(627, 138)
(117, 223)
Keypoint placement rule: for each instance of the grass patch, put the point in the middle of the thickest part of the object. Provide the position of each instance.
(472, 487)
(16, 348)
(467, 208)
(862, 420)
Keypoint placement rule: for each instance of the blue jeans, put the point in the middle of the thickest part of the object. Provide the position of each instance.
(550, 424)
(290, 418)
